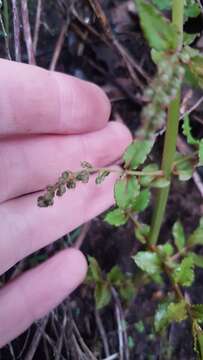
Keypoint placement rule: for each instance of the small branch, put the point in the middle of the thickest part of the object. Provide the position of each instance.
(37, 25)
(194, 107)
(36, 339)
(112, 357)
(16, 29)
(102, 333)
(5, 34)
(27, 32)
(59, 45)
(78, 243)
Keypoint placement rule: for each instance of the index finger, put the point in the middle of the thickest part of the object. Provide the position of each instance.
(34, 100)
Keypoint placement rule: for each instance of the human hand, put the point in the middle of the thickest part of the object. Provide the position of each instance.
(49, 123)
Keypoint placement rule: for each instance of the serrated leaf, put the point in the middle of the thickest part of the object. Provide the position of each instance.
(94, 270)
(179, 235)
(102, 295)
(196, 67)
(188, 39)
(198, 259)
(184, 272)
(137, 152)
(183, 167)
(198, 339)
(160, 183)
(146, 180)
(148, 262)
(115, 276)
(125, 191)
(166, 250)
(201, 153)
(196, 238)
(163, 4)
(177, 311)
(161, 318)
(116, 217)
(197, 312)
(160, 33)
(187, 131)
(142, 233)
(141, 201)
(167, 313)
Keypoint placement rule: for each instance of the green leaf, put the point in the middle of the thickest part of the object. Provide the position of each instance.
(196, 238)
(192, 9)
(177, 311)
(166, 250)
(161, 320)
(141, 201)
(197, 312)
(147, 179)
(183, 167)
(198, 339)
(184, 272)
(162, 4)
(137, 152)
(187, 131)
(179, 235)
(196, 67)
(160, 33)
(142, 232)
(94, 271)
(102, 295)
(116, 276)
(167, 313)
(201, 153)
(148, 262)
(116, 217)
(127, 290)
(125, 191)
(188, 39)
(160, 183)
(198, 259)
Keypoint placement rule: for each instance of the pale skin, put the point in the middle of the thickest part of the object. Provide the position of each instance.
(50, 122)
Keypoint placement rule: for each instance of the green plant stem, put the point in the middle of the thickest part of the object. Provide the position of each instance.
(170, 138)
(6, 16)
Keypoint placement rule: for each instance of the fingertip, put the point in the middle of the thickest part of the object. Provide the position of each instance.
(78, 264)
(122, 133)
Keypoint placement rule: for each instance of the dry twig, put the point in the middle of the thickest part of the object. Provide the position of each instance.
(102, 333)
(27, 32)
(37, 25)
(16, 28)
(59, 44)
(36, 339)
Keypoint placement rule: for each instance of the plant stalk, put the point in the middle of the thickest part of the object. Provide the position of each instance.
(170, 137)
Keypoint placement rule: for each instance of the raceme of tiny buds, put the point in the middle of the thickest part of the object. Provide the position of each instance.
(68, 180)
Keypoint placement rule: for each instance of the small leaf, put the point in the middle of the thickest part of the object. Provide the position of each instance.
(147, 179)
(166, 250)
(161, 320)
(177, 311)
(198, 259)
(142, 233)
(141, 201)
(201, 153)
(137, 152)
(187, 131)
(167, 313)
(148, 262)
(179, 235)
(189, 38)
(196, 67)
(160, 33)
(184, 272)
(116, 276)
(198, 339)
(183, 167)
(197, 312)
(196, 238)
(102, 176)
(102, 295)
(94, 270)
(116, 217)
(125, 191)
(160, 183)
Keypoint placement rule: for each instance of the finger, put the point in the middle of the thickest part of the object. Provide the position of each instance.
(40, 101)
(31, 163)
(35, 293)
(26, 228)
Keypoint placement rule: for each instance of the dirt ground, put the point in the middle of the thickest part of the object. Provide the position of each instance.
(111, 52)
